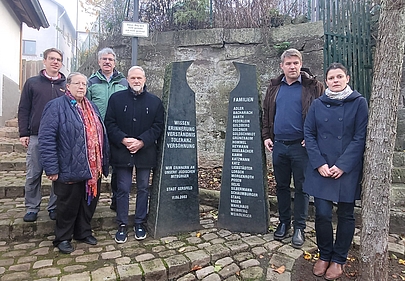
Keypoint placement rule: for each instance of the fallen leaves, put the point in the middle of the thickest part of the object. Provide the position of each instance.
(196, 267)
(308, 256)
(280, 270)
(217, 268)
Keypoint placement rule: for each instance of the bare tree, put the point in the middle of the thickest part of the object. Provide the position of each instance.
(380, 141)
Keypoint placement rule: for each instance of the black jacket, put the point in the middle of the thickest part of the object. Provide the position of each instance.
(139, 117)
(37, 91)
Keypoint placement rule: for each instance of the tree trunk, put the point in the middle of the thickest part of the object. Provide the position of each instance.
(381, 140)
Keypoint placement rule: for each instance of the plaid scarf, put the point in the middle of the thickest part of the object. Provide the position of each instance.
(339, 95)
(94, 142)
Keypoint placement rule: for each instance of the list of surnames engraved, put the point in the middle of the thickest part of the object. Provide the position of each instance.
(242, 175)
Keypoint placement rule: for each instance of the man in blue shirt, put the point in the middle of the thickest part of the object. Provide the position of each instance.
(285, 106)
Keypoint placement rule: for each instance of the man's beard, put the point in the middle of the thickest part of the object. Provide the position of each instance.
(137, 88)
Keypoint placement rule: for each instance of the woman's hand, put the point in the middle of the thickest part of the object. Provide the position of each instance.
(325, 171)
(336, 172)
(52, 177)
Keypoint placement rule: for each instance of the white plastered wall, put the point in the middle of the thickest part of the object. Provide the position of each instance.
(10, 65)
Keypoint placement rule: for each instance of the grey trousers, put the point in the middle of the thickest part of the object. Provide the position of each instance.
(33, 179)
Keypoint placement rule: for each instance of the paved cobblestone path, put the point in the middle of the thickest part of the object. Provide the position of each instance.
(207, 254)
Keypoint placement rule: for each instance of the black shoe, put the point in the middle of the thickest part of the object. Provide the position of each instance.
(65, 247)
(52, 214)
(298, 238)
(282, 231)
(91, 240)
(30, 217)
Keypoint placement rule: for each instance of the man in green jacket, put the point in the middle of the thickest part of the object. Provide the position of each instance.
(101, 85)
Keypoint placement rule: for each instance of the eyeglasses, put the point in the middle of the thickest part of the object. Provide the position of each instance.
(107, 59)
(79, 83)
(53, 59)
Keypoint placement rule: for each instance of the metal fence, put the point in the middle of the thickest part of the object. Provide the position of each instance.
(348, 39)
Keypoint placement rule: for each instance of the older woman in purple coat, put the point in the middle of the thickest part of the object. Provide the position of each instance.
(335, 134)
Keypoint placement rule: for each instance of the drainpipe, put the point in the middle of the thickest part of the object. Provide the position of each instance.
(57, 31)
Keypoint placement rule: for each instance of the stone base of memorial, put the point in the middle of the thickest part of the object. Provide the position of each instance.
(243, 204)
(174, 204)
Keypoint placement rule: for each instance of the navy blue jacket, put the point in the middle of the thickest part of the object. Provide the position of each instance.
(140, 117)
(62, 142)
(335, 134)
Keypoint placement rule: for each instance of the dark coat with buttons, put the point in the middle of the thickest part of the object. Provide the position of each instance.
(335, 134)
(134, 116)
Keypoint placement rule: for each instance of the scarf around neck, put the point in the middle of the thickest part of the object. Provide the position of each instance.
(339, 95)
(94, 141)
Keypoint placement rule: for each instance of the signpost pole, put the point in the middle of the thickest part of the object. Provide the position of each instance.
(135, 39)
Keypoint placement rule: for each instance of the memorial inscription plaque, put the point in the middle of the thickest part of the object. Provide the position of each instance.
(174, 205)
(243, 205)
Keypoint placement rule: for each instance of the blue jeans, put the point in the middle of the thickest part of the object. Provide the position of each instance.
(287, 160)
(124, 184)
(334, 251)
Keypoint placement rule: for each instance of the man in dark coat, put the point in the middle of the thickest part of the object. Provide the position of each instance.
(134, 122)
(285, 106)
(37, 91)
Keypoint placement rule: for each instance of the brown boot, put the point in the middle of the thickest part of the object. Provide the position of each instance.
(334, 271)
(320, 267)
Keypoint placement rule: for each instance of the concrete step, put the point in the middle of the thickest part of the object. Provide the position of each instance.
(12, 123)
(12, 161)
(12, 225)
(9, 132)
(12, 185)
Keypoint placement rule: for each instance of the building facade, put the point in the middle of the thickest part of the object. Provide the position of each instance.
(61, 34)
(13, 14)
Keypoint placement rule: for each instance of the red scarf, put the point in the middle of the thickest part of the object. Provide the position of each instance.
(94, 142)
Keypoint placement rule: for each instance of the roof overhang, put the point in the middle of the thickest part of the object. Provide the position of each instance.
(30, 12)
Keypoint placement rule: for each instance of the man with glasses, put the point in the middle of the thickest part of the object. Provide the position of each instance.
(37, 91)
(101, 85)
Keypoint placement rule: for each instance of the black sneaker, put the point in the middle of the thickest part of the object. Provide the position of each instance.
(30, 217)
(121, 235)
(140, 232)
(52, 214)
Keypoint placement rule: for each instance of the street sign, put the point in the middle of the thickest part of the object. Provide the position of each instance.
(135, 29)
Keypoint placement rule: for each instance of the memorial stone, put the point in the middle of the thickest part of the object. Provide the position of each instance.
(174, 205)
(243, 205)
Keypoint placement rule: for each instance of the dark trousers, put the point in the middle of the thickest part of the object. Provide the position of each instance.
(337, 250)
(287, 160)
(113, 186)
(73, 214)
(124, 180)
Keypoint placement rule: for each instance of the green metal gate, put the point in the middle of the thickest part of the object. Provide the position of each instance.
(348, 40)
